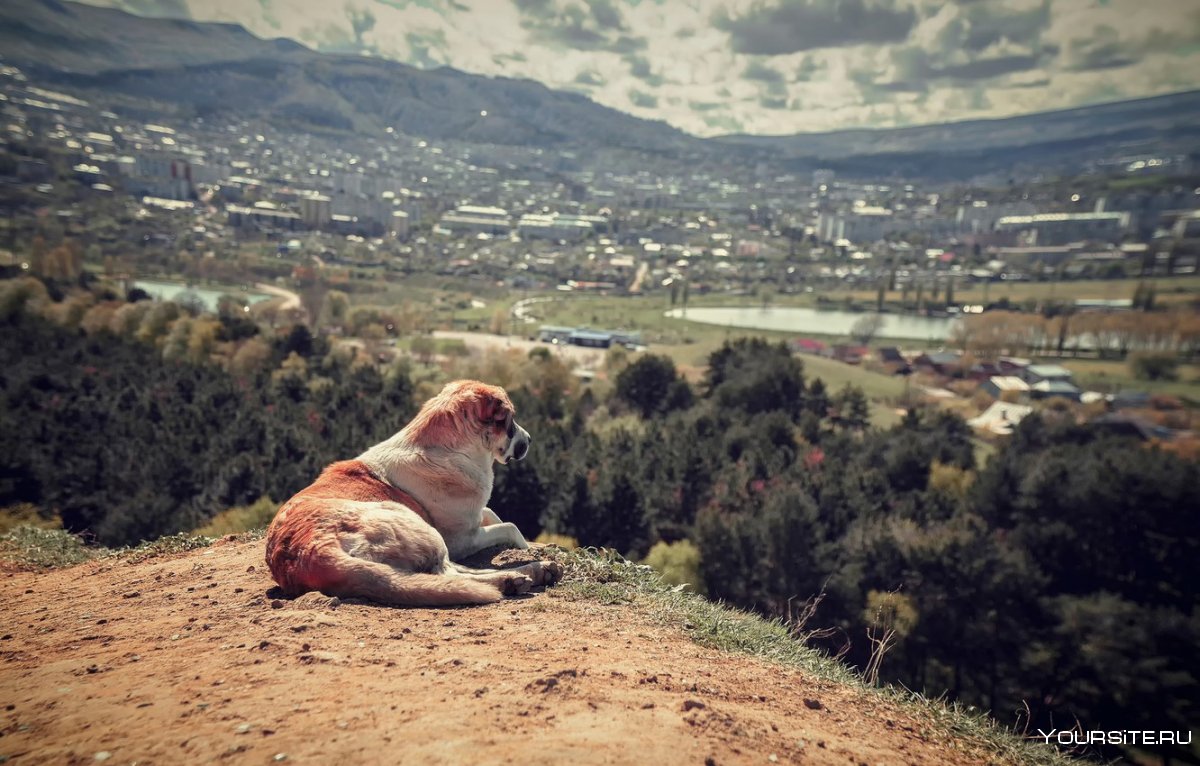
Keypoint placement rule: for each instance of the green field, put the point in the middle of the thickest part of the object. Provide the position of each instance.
(689, 344)
(1114, 376)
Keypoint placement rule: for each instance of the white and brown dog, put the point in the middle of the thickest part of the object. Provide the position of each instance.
(387, 525)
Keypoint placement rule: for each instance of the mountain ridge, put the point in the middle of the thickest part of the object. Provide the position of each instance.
(203, 69)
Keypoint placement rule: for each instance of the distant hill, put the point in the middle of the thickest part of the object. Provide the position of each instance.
(1169, 123)
(202, 69)
(205, 69)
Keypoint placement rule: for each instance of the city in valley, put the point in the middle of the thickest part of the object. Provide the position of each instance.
(1043, 285)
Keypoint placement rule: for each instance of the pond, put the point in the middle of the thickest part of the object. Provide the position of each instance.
(804, 320)
(169, 291)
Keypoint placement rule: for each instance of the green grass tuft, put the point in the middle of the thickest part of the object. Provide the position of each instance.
(163, 546)
(29, 547)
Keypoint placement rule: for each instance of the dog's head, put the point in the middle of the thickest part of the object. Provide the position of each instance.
(477, 410)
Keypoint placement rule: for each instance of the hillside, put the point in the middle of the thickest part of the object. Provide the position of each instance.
(202, 69)
(190, 657)
(1172, 115)
(193, 69)
(1066, 141)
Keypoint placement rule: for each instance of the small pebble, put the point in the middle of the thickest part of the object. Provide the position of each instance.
(103, 755)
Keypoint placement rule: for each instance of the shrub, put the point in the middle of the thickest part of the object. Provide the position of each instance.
(1165, 403)
(28, 546)
(26, 515)
(566, 542)
(243, 518)
(651, 385)
(894, 611)
(678, 563)
(1155, 366)
(950, 480)
(452, 347)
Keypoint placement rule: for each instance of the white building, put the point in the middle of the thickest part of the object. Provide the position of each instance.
(860, 225)
(556, 226)
(1062, 228)
(399, 224)
(316, 210)
(476, 219)
(981, 215)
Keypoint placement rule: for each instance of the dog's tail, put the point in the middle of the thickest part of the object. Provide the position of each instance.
(379, 582)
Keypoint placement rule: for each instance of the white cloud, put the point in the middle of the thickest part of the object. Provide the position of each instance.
(842, 63)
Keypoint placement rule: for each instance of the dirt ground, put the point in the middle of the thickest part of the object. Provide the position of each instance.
(189, 659)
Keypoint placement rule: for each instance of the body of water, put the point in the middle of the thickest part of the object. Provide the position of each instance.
(169, 291)
(803, 320)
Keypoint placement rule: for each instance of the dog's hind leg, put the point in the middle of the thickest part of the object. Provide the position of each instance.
(388, 554)
(539, 572)
(387, 585)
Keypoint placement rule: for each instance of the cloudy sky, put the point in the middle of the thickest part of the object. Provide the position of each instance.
(765, 66)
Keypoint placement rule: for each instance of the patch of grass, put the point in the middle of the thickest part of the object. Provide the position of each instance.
(605, 576)
(30, 547)
(163, 546)
(1111, 376)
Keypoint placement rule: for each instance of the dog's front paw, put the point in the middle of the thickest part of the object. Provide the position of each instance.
(516, 584)
(545, 572)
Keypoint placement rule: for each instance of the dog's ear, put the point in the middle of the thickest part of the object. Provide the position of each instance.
(493, 405)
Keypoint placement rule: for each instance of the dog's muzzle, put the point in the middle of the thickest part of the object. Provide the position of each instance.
(518, 445)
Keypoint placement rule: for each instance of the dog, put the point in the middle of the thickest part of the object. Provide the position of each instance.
(389, 525)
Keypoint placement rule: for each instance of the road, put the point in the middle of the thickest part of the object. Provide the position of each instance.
(291, 301)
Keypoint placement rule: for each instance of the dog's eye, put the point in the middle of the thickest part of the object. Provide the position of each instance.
(512, 430)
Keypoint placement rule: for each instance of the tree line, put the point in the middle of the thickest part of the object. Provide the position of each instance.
(1112, 334)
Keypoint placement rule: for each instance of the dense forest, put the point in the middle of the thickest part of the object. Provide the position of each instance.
(1052, 585)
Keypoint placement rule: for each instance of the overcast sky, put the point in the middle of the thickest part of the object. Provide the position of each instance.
(765, 66)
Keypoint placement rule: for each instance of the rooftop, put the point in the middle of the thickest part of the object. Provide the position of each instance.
(1016, 220)
(1049, 370)
(1008, 383)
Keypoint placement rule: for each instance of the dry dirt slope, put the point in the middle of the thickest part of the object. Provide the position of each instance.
(188, 659)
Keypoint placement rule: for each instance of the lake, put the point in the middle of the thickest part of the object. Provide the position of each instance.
(169, 291)
(803, 320)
